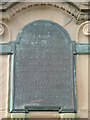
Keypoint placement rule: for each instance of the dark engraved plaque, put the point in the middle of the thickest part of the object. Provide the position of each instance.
(44, 69)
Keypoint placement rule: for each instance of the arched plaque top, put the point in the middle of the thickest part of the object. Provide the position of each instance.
(44, 69)
(42, 29)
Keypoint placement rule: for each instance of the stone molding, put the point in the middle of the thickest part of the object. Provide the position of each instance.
(68, 7)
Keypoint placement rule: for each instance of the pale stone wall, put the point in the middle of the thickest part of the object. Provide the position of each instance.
(76, 32)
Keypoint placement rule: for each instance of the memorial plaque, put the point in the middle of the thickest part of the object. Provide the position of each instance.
(44, 69)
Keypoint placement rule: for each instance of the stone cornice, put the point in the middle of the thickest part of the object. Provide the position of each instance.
(70, 8)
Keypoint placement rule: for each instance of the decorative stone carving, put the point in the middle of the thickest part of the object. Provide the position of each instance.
(5, 32)
(1, 29)
(86, 29)
(68, 7)
(83, 32)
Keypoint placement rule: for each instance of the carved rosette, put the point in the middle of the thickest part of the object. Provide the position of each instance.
(86, 29)
(83, 31)
(4, 32)
(1, 29)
